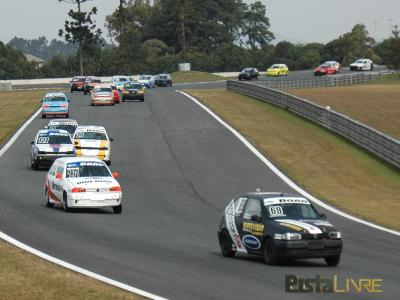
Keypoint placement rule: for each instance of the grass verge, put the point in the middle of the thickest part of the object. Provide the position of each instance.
(23, 275)
(321, 162)
(377, 105)
(194, 76)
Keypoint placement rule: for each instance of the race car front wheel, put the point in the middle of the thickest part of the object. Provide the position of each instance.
(270, 256)
(332, 261)
(226, 244)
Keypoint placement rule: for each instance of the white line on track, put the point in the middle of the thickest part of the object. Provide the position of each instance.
(53, 259)
(282, 176)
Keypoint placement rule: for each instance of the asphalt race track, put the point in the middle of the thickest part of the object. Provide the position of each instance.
(179, 168)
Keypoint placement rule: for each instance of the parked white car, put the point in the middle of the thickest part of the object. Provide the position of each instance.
(82, 182)
(362, 64)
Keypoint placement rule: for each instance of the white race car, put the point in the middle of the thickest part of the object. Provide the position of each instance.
(147, 81)
(362, 64)
(93, 141)
(82, 182)
(69, 125)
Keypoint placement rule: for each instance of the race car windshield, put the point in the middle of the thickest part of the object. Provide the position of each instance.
(144, 77)
(94, 170)
(103, 89)
(133, 86)
(275, 67)
(246, 70)
(69, 128)
(90, 135)
(122, 79)
(292, 211)
(95, 81)
(54, 139)
(54, 99)
(360, 61)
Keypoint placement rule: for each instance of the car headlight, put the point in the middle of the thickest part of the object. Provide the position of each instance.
(335, 235)
(288, 236)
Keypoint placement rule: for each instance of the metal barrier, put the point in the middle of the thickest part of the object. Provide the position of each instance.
(323, 81)
(5, 86)
(383, 146)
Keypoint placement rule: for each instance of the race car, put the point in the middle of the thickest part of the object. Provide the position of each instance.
(249, 74)
(69, 125)
(48, 145)
(102, 95)
(325, 69)
(278, 70)
(362, 64)
(77, 83)
(55, 104)
(119, 81)
(115, 93)
(147, 81)
(90, 84)
(82, 182)
(163, 80)
(132, 90)
(336, 65)
(278, 226)
(93, 141)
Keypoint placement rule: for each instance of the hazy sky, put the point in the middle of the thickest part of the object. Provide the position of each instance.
(294, 20)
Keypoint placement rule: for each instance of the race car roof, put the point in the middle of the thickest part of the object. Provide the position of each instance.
(78, 159)
(90, 127)
(55, 94)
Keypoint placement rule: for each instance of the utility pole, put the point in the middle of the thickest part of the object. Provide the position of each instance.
(183, 28)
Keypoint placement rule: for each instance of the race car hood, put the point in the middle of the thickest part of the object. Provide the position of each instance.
(55, 147)
(356, 64)
(306, 226)
(92, 143)
(93, 182)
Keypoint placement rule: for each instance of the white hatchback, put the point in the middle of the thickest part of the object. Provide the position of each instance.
(82, 182)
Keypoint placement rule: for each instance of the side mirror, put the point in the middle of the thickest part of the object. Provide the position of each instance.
(59, 176)
(323, 216)
(41, 100)
(32, 143)
(115, 174)
(111, 140)
(255, 218)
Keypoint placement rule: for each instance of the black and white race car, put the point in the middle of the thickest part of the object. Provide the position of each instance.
(278, 226)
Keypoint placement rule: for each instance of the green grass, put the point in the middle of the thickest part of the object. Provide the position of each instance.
(194, 76)
(23, 275)
(328, 166)
(387, 79)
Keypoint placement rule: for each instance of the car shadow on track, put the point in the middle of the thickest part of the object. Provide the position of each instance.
(98, 211)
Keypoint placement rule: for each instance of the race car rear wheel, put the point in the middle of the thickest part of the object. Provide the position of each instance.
(65, 202)
(226, 244)
(47, 199)
(34, 165)
(108, 162)
(117, 209)
(332, 261)
(270, 256)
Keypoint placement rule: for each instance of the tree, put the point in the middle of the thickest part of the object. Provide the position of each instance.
(256, 25)
(81, 30)
(390, 49)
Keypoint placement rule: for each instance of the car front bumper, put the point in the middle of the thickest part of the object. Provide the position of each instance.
(133, 96)
(308, 248)
(94, 199)
(46, 160)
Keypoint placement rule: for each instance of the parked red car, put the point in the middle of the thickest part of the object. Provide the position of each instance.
(116, 94)
(326, 68)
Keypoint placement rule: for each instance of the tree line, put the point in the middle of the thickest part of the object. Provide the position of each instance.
(214, 36)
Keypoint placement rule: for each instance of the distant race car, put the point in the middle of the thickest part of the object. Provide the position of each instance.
(115, 93)
(90, 84)
(278, 70)
(102, 95)
(278, 226)
(82, 182)
(163, 80)
(69, 125)
(326, 68)
(336, 65)
(119, 81)
(55, 104)
(132, 90)
(93, 141)
(48, 145)
(362, 64)
(147, 81)
(249, 74)
(77, 83)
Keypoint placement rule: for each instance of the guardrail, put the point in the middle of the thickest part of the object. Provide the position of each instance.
(5, 86)
(383, 146)
(323, 81)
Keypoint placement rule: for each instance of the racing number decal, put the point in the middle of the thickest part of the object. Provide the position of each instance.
(72, 172)
(276, 211)
(43, 140)
(233, 232)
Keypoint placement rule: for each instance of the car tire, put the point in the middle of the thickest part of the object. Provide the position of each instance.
(117, 209)
(65, 203)
(225, 242)
(332, 261)
(47, 199)
(72, 91)
(269, 252)
(372, 67)
(43, 116)
(142, 99)
(67, 115)
(34, 165)
(123, 99)
(108, 162)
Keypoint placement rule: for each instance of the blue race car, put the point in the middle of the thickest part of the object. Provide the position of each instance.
(55, 104)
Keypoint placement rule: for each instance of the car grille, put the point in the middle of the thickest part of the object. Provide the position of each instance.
(317, 236)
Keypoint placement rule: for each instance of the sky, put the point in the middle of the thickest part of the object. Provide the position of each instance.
(299, 21)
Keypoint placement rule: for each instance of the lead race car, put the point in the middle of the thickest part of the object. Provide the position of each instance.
(82, 182)
(278, 226)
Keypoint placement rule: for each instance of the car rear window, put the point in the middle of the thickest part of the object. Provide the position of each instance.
(87, 169)
(54, 138)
